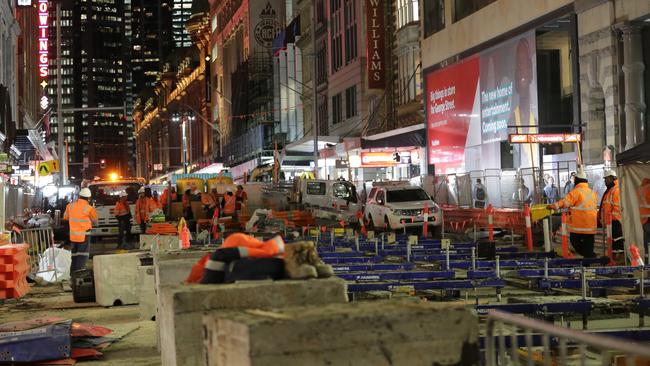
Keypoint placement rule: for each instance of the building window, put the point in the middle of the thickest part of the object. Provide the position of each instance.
(337, 34)
(434, 16)
(337, 109)
(408, 73)
(321, 64)
(407, 12)
(464, 8)
(351, 102)
(350, 31)
(320, 11)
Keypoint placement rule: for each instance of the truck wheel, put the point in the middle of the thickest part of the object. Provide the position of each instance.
(371, 224)
(387, 224)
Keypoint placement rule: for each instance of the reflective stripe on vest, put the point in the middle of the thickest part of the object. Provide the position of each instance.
(587, 198)
(581, 229)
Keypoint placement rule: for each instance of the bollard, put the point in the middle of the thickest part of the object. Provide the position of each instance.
(356, 242)
(408, 251)
(546, 268)
(474, 258)
(608, 236)
(376, 247)
(490, 212)
(447, 258)
(547, 235)
(584, 283)
(565, 238)
(498, 266)
(529, 229)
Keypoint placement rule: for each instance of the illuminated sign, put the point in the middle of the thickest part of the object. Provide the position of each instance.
(24, 2)
(375, 39)
(42, 40)
(377, 159)
(552, 138)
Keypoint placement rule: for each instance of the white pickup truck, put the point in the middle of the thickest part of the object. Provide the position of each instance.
(105, 194)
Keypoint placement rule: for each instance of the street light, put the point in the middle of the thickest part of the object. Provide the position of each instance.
(184, 118)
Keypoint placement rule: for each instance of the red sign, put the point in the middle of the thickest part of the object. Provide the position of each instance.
(544, 138)
(376, 46)
(377, 159)
(450, 97)
(42, 39)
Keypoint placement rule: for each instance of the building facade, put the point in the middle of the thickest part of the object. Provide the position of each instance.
(9, 31)
(173, 129)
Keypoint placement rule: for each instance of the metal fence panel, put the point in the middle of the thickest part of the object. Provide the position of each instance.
(39, 241)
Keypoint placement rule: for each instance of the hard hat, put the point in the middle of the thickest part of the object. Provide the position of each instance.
(85, 193)
(229, 190)
(581, 174)
(124, 194)
(610, 173)
(141, 190)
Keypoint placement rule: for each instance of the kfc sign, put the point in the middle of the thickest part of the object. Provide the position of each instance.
(375, 44)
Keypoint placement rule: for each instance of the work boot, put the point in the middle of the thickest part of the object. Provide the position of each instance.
(300, 259)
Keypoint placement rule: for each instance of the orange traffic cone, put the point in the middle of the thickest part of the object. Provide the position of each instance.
(635, 256)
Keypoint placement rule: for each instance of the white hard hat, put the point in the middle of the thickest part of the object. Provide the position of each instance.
(581, 174)
(85, 193)
(124, 194)
(610, 173)
(141, 190)
(229, 190)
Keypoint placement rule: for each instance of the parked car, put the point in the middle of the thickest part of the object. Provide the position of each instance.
(396, 205)
(329, 199)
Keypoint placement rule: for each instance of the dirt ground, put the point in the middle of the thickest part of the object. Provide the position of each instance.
(137, 347)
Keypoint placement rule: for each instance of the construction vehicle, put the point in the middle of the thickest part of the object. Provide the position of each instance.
(105, 193)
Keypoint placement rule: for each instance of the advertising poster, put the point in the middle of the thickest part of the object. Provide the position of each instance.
(505, 77)
(450, 101)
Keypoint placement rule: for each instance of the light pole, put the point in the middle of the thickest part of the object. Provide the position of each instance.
(186, 120)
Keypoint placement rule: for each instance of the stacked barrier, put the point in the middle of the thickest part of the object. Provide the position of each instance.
(14, 267)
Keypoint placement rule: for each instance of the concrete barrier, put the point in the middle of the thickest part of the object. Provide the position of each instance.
(365, 333)
(181, 309)
(116, 278)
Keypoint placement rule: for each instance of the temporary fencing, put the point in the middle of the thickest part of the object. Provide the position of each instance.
(39, 240)
(517, 340)
(459, 219)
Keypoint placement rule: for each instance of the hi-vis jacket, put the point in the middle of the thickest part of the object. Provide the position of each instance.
(583, 208)
(644, 201)
(81, 215)
(611, 204)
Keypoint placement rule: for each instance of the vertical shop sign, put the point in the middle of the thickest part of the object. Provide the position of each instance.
(376, 44)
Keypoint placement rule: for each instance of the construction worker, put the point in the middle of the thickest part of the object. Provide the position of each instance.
(156, 200)
(122, 212)
(81, 216)
(583, 215)
(644, 211)
(610, 206)
(229, 203)
(209, 204)
(143, 207)
(241, 197)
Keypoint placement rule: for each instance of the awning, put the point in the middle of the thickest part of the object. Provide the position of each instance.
(306, 144)
(401, 137)
(637, 154)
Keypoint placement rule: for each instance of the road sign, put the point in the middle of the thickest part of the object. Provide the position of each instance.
(48, 167)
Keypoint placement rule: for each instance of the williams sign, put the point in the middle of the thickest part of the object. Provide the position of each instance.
(376, 46)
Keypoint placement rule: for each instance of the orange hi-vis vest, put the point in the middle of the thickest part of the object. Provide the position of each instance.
(229, 204)
(208, 200)
(644, 201)
(121, 209)
(143, 207)
(611, 204)
(81, 215)
(583, 209)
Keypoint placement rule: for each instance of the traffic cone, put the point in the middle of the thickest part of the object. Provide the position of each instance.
(425, 219)
(565, 238)
(635, 256)
(609, 237)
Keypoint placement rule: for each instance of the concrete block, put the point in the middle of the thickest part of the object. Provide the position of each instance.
(181, 309)
(147, 300)
(363, 333)
(116, 278)
(159, 242)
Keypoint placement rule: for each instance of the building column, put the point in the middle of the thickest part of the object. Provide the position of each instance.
(633, 68)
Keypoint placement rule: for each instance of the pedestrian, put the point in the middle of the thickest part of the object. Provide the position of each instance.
(122, 212)
(228, 203)
(582, 204)
(81, 217)
(209, 204)
(521, 195)
(644, 211)
(143, 207)
(610, 206)
(480, 194)
(570, 184)
(156, 200)
(187, 205)
(551, 192)
(241, 198)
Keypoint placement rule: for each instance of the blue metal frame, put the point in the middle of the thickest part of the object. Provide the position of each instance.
(577, 307)
(373, 267)
(427, 285)
(396, 276)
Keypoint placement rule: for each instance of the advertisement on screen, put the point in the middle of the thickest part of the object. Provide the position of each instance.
(506, 78)
(450, 102)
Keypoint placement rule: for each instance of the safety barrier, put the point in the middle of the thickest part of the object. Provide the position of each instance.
(39, 241)
(514, 340)
(458, 219)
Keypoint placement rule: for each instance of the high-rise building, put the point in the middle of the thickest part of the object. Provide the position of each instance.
(181, 12)
(93, 77)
